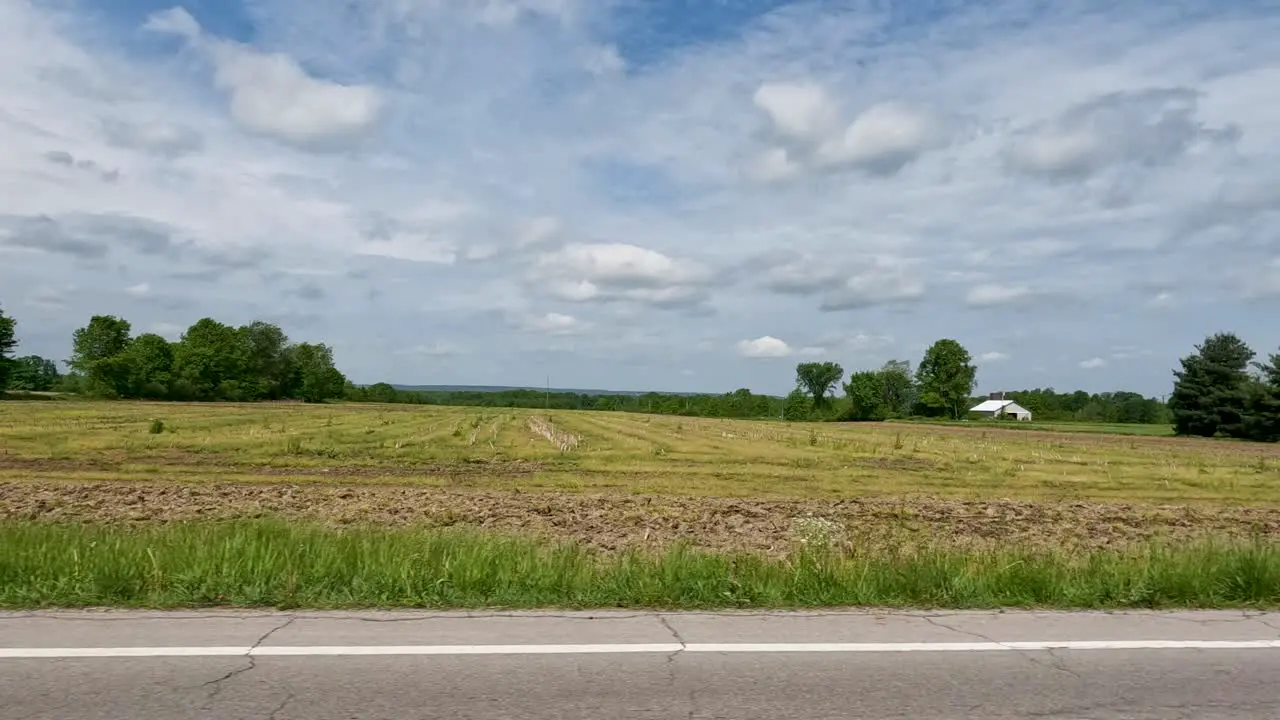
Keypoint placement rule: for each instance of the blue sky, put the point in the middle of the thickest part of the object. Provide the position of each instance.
(675, 195)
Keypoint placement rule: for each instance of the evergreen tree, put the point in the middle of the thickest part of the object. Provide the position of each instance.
(1211, 393)
(8, 341)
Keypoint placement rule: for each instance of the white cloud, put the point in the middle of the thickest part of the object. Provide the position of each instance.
(993, 356)
(1093, 363)
(175, 20)
(800, 110)
(272, 94)
(139, 290)
(764, 347)
(554, 324)
(883, 138)
(991, 295)
(581, 272)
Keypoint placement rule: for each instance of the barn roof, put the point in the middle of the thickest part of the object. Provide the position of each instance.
(991, 405)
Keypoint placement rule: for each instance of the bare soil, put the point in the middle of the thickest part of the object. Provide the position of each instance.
(614, 522)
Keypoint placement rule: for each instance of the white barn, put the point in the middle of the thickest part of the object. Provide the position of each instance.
(996, 406)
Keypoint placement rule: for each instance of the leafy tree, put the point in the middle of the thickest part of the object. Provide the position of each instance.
(96, 351)
(898, 389)
(271, 371)
(320, 380)
(798, 407)
(150, 361)
(818, 379)
(1211, 393)
(8, 341)
(33, 373)
(211, 360)
(946, 377)
(381, 393)
(866, 391)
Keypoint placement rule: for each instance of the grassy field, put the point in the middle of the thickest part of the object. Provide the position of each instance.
(618, 452)
(219, 500)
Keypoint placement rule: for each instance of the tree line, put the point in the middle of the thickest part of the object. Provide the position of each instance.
(211, 361)
(942, 387)
(741, 403)
(1220, 390)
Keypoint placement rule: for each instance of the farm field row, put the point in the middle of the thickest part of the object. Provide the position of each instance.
(534, 451)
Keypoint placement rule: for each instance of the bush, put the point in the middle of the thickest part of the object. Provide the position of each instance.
(157, 426)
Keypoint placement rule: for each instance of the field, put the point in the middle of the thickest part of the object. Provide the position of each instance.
(1072, 427)
(608, 485)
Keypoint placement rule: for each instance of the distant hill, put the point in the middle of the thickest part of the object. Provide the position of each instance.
(504, 388)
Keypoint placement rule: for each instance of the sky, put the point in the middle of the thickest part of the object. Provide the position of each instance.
(685, 195)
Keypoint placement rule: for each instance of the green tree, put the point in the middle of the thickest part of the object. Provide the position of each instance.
(271, 371)
(150, 362)
(381, 393)
(320, 380)
(798, 407)
(211, 361)
(33, 373)
(946, 377)
(1211, 393)
(866, 391)
(818, 379)
(1263, 421)
(96, 353)
(898, 389)
(8, 341)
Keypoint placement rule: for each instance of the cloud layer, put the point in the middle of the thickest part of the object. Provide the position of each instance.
(497, 191)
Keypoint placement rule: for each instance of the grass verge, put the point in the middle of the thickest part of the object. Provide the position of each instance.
(263, 563)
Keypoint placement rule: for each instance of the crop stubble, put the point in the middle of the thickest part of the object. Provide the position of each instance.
(613, 521)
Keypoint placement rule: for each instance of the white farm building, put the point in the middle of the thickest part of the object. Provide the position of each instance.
(996, 406)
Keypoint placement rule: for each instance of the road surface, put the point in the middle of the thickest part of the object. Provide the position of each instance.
(562, 666)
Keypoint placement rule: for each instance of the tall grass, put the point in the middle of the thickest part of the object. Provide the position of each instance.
(270, 563)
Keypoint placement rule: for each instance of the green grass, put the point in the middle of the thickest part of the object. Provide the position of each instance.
(270, 563)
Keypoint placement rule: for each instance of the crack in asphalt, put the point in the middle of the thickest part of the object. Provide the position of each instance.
(1268, 623)
(1057, 662)
(675, 634)
(217, 683)
(288, 698)
(672, 680)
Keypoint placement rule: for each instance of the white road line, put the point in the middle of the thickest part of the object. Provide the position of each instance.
(664, 648)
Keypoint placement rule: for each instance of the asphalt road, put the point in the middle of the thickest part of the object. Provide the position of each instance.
(317, 666)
